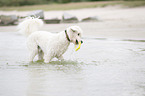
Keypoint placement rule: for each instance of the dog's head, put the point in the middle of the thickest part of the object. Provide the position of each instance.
(75, 34)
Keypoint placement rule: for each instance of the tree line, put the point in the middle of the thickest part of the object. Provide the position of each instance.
(34, 2)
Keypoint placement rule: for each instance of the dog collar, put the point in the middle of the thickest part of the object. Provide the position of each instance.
(67, 36)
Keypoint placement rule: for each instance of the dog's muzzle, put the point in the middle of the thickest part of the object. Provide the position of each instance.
(79, 46)
(78, 42)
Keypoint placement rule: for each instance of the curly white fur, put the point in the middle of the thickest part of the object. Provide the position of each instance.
(29, 25)
(47, 45)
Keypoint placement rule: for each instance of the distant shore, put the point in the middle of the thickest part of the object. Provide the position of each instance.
(76, 5)
(114, 22)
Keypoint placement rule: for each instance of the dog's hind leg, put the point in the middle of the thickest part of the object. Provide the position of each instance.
(40, 53)
(32, 47)
(47, 58)
(33, 53)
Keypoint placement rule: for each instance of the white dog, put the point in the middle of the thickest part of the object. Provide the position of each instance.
(46, 44)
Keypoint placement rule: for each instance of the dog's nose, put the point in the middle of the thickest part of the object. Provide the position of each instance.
(81, 42)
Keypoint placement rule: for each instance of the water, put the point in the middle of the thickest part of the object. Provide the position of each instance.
(102, 67)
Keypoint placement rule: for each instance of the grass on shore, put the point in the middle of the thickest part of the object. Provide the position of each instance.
(70, 6)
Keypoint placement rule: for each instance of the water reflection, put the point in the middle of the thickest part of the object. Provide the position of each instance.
(54, 78)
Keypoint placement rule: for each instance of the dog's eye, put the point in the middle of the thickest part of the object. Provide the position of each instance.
(78, 34)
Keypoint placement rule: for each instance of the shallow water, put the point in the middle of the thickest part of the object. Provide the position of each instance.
(102, 67)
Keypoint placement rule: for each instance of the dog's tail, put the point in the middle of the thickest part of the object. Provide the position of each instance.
(30, 25)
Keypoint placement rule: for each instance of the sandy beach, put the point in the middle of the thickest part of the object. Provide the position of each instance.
(114, 22)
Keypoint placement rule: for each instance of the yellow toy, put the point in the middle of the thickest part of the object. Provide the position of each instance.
(78, 47)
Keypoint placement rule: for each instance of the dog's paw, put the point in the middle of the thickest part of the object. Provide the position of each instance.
(46, 62)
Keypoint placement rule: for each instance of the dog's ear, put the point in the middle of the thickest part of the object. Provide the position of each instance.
(73, 30)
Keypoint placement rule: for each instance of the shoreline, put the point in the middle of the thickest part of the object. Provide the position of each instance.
(115, 22)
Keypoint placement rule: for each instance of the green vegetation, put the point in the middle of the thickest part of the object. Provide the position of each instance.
(77, 5)
(34, 2)
(133, 3)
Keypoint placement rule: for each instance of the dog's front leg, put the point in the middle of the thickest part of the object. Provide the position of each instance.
(60, 58)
